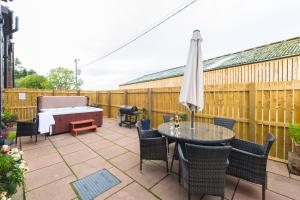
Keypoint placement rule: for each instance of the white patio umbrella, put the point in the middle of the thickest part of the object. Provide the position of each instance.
(192, 90)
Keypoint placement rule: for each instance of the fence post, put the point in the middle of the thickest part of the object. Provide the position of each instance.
(125, 97)
(252, 112)
(109, 104)
(150, 103)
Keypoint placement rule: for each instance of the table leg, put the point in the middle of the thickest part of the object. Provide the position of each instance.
(175, 151)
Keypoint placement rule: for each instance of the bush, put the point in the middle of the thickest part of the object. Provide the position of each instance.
(4, 134)
(12, 169)
(96, 105)
(294, 132)
(34, 81)
(144, 114)
(184, 116)
(8, 118)
(11, 135)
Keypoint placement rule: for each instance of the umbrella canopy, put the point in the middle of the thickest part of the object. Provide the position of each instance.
(192, 90)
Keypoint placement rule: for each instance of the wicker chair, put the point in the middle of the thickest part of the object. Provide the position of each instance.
(248, 161)
(26, 128)
(167, 119)
(227, 123)
(152, 145)
(202, 169)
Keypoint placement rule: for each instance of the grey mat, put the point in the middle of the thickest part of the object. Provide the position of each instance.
(95, 184)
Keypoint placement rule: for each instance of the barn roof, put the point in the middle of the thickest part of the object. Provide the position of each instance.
(276, 50)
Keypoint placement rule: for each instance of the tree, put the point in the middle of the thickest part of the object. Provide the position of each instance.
(34, 81)
(63, 78)
(21, 71)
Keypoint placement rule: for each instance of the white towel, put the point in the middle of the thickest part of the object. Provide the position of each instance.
(46, 121)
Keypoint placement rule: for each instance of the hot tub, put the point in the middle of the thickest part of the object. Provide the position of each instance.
(65, 109)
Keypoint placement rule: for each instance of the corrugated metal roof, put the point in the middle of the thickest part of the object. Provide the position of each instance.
(271, 51)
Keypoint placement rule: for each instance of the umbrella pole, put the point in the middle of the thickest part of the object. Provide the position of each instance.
(193, 120)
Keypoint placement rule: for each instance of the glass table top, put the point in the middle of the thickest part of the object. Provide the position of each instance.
(203, 132)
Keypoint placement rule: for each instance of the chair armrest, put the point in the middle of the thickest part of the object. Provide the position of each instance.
(249, 153)
(247, 146)
(150, 134)
(153, 141)
(25, 122)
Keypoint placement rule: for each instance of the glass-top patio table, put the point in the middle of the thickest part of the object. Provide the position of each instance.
(203, 134)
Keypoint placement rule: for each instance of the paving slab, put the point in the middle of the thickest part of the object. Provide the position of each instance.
(58, 190)
(132, 192)
(61, 136)
(90, 138)
(90, 166)
(60, 143)
(250, 191)
(112, 151)
(30, 154)
(277, 168)
(169, 188)
(126, 161)
(284, 186)
(79, 156)
(125, 141)
(46, 175)
(150, 175)
(28, 144)
(44, 161)
(230, 186)
(134, 147)
(71, 148)
(113, 136)
(100, 144)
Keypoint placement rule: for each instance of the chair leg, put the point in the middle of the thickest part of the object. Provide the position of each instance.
(16, 142)
(167, 165)
(168, 149)
(174, 154)
(263, 192)
(20, 143)
(141, 162)
(35, 138)
(179, 174)
(222, 197)
(189, 195)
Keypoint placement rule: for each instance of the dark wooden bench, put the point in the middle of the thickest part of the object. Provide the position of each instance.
(82, 125)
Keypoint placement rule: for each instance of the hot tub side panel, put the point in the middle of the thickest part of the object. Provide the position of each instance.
(62, 121)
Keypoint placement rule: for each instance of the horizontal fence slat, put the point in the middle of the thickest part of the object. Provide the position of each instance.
(257, 108)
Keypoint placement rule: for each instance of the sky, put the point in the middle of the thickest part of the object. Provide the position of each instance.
(53, 33)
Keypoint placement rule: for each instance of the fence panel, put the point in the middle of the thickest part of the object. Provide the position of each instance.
(104, 101)
(26, 109)
(257, 108)
(116, 100)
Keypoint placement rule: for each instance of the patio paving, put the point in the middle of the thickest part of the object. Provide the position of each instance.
(61, 159)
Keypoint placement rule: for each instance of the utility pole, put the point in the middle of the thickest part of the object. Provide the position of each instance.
(76, 63)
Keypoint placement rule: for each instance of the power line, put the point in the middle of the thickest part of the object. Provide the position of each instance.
(169, 16)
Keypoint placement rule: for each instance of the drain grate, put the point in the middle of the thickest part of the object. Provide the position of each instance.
(95, 184)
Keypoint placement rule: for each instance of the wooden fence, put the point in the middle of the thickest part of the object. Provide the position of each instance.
(258, 108)
(282, 69)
